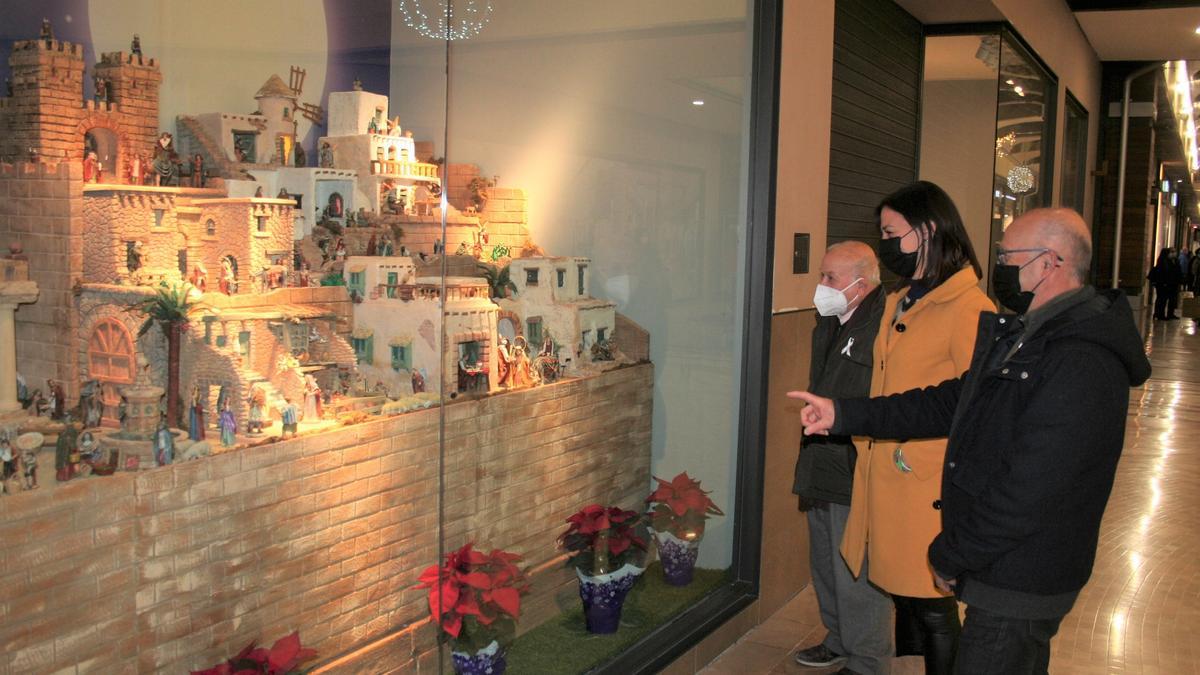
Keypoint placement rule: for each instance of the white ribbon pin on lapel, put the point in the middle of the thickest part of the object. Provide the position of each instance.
(846, 349)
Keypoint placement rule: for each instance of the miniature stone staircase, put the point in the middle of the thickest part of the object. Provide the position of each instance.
(274, 398)
(194, 139)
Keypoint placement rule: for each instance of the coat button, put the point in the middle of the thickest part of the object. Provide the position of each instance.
(937, 505)
(1003, 320)
(1004, 372)
(900, 328)
(951, 464)
(1024, 375)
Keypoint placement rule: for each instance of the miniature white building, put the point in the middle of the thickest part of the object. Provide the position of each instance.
(363, 139)
(397, 325)
(553, 296)
(266, 137)
(317, 192)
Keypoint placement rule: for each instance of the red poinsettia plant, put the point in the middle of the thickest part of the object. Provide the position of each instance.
(601, 539)
(680, 507)
(476, 597)
(283, 658)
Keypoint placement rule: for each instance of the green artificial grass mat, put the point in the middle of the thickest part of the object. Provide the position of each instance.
(563, 644)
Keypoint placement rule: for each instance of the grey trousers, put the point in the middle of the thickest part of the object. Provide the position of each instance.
(856, 613)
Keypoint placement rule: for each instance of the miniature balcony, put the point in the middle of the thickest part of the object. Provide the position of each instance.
(403, 169)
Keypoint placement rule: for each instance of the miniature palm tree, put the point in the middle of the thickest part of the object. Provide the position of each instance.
(498, 279)
(170, 307)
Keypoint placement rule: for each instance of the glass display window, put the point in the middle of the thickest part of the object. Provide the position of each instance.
(502, 367)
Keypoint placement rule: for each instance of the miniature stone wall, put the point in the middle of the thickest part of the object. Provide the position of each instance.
(41, 206)
(179, 567)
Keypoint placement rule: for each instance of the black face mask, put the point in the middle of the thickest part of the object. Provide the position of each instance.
(1006, 284)
(900, 263)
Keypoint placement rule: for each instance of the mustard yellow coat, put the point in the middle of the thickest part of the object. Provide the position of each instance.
(892, 519)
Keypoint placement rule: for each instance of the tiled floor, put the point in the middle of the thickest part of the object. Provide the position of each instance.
(1140, 613)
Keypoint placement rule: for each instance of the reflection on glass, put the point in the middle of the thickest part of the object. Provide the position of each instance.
(1074, 165)
(1021, 112)
(590, 234)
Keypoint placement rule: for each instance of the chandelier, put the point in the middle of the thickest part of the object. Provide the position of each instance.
(448, 20)
(1020, 179)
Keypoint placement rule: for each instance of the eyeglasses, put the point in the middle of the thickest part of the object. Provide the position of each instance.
(1003, 253)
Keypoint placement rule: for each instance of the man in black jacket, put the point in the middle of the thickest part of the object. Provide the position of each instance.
(856, 614)
(1036, 427)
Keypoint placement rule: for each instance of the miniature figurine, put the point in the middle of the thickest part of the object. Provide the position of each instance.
(89, 449)
(199, 278)
(58, 402)
(196, 416)
(312, 399)
(9, 462)
(326, 156)
(357, 84)
(372, 246)
(135, 170)
(33, 155)
(64, 453)
(520, 376)
(283, 194)
(164, 443)
(133, 259)
(258, 192)
(28, 444)
(438, 247)
(47, 33)
(257, 413)
(91, 168)
(304, 277)
(300, 156)
(462, 249)
(418, 382)
(373, 126)
(91, 407)
(228, 426)
(197, 170)
(22, 391)
(166, 161)
(388, 249)
(135, 47)
(239, 153)
(101, 89)
(289, 416)
(227, 284)
(8, 86)
(339, 253)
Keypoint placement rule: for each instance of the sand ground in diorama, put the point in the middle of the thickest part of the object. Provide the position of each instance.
(563, 644)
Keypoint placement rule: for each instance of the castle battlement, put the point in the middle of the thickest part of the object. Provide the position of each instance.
(127, 59)
(101, 106)
(36, 170)
(56, 46)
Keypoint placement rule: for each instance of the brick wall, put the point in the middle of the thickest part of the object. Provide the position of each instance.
(178, 567)
(41, 206)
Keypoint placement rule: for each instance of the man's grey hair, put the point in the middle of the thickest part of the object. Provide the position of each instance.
(866, 265)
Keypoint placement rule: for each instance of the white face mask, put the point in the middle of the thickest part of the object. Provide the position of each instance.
(832, 302)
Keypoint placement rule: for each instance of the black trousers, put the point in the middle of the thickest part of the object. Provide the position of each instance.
(928, 627)
(994, 644)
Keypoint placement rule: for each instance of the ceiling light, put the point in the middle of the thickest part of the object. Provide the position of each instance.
(1009, 82)
(698, 102)
(1020, 91)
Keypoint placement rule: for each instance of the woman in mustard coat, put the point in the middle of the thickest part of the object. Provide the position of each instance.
(926, 336)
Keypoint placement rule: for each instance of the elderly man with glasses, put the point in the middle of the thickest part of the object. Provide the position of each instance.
(1035, 429)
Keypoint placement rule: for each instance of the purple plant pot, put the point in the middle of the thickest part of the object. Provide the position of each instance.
(603, 597)
(487, 661)
(678, 557)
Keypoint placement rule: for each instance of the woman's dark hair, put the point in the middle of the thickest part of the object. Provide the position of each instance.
(948, 247)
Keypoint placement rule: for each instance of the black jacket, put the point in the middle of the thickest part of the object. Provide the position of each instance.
(840, 367)
(1033, 445)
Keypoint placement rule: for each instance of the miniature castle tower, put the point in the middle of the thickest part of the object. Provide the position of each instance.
(54, 114)
(41, 118)
(133, 83)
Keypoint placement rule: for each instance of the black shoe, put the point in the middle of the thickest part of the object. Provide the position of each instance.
(818, 656)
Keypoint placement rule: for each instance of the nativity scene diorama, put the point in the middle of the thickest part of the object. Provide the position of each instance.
(218, 285)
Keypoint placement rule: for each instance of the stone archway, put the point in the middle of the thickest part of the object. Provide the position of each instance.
(104, 135)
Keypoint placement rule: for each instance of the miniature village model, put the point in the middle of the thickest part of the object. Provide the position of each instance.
(187, 291)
